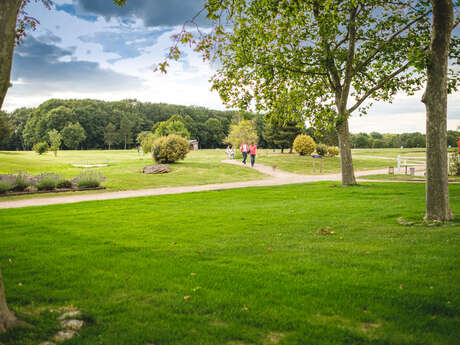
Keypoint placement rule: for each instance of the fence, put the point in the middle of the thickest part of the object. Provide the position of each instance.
(415, 162)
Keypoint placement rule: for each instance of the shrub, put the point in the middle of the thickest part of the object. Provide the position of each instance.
(64, 184)
(455, 164)
(47, 181)
(22, 181)
(89, 179)
(321, 149)
(41, 148)
(170, 149)
(333, 151)
(304, 144)
(5, 186)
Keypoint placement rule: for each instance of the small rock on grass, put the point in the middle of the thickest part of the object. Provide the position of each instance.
(64, 335)
(74, 325)
(47, 343)
(70, 314)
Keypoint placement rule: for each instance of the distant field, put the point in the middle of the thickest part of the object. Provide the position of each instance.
(124, 170)
(304, 164)
(404, 177)
(200, 167)
(390, 153)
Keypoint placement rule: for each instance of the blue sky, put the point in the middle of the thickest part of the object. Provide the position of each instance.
(94, 49)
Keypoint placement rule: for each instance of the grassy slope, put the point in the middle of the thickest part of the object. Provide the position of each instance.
(200, 167)
(127, 265)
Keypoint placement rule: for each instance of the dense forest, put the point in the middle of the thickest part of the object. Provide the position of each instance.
(128, 118)
(117, 124)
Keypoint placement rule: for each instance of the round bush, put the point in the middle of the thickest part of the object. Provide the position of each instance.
(321, 149)
(41, 148)
(304, 144)
(170, 149)
(333, 151)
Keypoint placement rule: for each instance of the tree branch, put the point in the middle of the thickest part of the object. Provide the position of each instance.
(378, 86)
(391, 38)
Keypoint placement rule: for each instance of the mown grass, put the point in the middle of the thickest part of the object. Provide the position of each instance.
(124, 170)
(391, 152)
(402, 177)
(252, 261)
(304, 164)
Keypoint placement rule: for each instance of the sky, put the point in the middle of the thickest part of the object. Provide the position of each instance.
(94, 49)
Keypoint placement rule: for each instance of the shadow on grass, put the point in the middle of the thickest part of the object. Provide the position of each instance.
(43, 327)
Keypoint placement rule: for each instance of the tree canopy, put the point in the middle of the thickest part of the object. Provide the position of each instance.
(321, 60)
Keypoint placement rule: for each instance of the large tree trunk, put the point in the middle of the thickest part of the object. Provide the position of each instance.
(7, 319)
(9, 10)
(348, 174)
(435, 99)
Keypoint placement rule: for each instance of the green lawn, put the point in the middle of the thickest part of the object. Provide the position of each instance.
(252, 261)
(391, 153)
(123, 172)
(304, 164)
(403, 177)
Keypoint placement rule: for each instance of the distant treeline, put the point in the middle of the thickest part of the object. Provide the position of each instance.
(128, 117)
(123, 120)
(378, 140)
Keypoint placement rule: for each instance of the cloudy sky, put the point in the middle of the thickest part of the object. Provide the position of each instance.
(94, 49)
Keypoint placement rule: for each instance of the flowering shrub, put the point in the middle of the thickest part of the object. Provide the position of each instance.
(333, 151)
(304, 144)
(89, 179)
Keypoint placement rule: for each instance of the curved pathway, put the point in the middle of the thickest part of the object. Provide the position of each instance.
(278, 177)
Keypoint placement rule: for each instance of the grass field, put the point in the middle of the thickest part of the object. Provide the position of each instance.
(124, 170)
(252, 261)
(404, 177)
(199, 167)
(392, 153)
(304, 164)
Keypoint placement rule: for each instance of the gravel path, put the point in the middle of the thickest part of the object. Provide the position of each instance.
(278, 177)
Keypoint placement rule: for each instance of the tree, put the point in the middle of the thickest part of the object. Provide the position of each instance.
(216, 133)
(72, 135)
(245, 131)
(435, 99)
(110, 134)
(283, 135)
(5, 128)
(147, 142)
(306, 58)
(55, 139)
(13, 21)
(126, 131)
(172, 127)
(17, 120)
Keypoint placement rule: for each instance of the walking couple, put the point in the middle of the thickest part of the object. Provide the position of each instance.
(252, 150)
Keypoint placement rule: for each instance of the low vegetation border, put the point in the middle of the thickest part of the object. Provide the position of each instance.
(61, 190)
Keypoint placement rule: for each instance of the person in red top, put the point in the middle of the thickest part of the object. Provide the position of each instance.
(252, 152)
(244, 151)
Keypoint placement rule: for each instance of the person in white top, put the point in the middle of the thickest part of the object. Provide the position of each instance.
(244, 151)
(228, 151)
